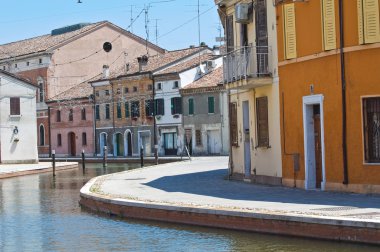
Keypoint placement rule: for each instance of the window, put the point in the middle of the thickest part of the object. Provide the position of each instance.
(175, 85)
(126, 90)
(368, 21)
(191, 106)
(97, 93)
(233, 124)
(289, 31)
(230, 33)
(211, 105)
(150, 87)
(371, 123)
(71, 115)
(84, 139)
(159, 86)
(27, 63)
(58, 116)
(41, 90)
(149, 108)
(118, 91)
(40, 61)
(107, 92)
(3, 67)
(160, 107)
(328, 24)
(59, 140)
(135, 109)
(97, 112)
(134, 89)
(83, 114)
(262, 122)
(15, 106)
(42, 135)
(15, 65)
(107, 111)
(176, 105)
(118, 110)
(198, 137)
(126, 110)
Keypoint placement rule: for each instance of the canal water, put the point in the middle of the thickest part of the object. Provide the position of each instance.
(41, 213)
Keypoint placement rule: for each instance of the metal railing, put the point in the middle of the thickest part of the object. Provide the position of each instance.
(247, 62)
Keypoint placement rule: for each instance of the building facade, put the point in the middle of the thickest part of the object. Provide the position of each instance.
(18, 122)
(205, 115)
(251, 78)
(330, 102)
(68, 56)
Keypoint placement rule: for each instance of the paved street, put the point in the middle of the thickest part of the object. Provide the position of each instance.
(201, 183)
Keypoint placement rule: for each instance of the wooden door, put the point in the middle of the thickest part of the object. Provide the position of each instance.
(318, 150)
(72, 144)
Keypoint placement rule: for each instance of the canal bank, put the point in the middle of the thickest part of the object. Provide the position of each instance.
(15, 170)
(196, 193)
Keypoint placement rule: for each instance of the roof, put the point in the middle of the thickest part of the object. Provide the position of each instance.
(183, 66)
(157, 62)
(212, 79)
(43, 43)
(19, 78)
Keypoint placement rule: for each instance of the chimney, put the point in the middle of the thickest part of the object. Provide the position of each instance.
(143, 61)
(216, 50)
(106, 71)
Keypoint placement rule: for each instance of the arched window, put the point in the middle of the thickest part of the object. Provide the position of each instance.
(42, 135)
(41, 89)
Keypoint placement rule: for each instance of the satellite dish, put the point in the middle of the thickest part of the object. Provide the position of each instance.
(107, 46)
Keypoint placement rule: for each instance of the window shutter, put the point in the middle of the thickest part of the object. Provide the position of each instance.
(290, 31)
(328, 22)
(211, 108)
(15, 105)
(126, 108)
(371, 21)
(233, 124)
(360, 21)
(160, 107)
(262, 121)
(230, 33)
(172, 105)
(191, 106)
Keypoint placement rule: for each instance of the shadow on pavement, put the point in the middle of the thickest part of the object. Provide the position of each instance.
(212, 183)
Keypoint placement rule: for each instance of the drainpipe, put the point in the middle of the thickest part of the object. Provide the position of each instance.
(113, 118)
(343, 80)
(94, 124)
(154, 120)
(49, 125)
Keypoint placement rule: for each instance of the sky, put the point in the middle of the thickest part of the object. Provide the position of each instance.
(177, 19)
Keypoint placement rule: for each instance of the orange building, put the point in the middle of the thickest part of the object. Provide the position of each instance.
(329, 53)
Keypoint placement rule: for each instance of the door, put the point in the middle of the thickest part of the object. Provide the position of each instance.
(102, 143)
(247, 145)
(118, 145)
(72, 144)
(318, 150)
(213, 143)
(170, 143)
(129, 144)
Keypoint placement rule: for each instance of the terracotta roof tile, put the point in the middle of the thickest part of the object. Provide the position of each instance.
(212, 79)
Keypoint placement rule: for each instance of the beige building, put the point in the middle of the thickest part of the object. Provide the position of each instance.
(251, 77)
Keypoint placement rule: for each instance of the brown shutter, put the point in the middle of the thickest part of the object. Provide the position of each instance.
(15, 105)
(230, 33)
(262, 121)
(233, 124)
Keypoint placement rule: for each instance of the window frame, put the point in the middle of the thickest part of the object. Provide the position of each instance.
(262, 122)
(211, 98)
(191, 106)
(15, 106)
(365, 131)
(107, 111)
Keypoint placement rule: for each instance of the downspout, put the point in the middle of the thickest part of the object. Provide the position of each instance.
(154, 119)
(113, 119)
(343, 80)
(49, 125)
(94, 118)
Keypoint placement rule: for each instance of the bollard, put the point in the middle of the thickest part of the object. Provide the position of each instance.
(105, 154)
(53, 160)
(156, 154)
(142, 156)
(83, 161)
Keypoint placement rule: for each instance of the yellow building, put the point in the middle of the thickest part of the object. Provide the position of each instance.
(251, 77)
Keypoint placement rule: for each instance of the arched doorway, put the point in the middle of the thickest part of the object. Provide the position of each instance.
(102, 142)
(42, 135)
(118, 145)
(71, 144)
(128, 143)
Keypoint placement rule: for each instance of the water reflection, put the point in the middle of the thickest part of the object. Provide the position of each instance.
(41, 213)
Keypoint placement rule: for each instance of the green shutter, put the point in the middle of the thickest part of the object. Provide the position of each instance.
(126, 107)
(211, 107)
(191, 106)
(119, 110)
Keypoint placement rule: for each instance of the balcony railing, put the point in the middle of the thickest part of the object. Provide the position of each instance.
(247, 62)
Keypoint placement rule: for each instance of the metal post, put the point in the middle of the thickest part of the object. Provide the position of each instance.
(53, 161)
(142, 156)
(105, 154)
(83, 161)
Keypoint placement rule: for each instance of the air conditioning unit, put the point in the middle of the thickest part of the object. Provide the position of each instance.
(243, 13)
(210, 64)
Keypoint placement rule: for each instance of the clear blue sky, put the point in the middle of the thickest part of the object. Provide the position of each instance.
(21, 19)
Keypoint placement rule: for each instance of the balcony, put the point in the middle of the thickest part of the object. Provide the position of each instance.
(249, 64)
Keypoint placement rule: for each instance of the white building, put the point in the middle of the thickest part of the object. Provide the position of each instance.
(18, 121)
(169, 113)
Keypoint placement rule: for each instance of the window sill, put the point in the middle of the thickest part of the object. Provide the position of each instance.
(372, 164)
(263, 147)
(14, 116)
